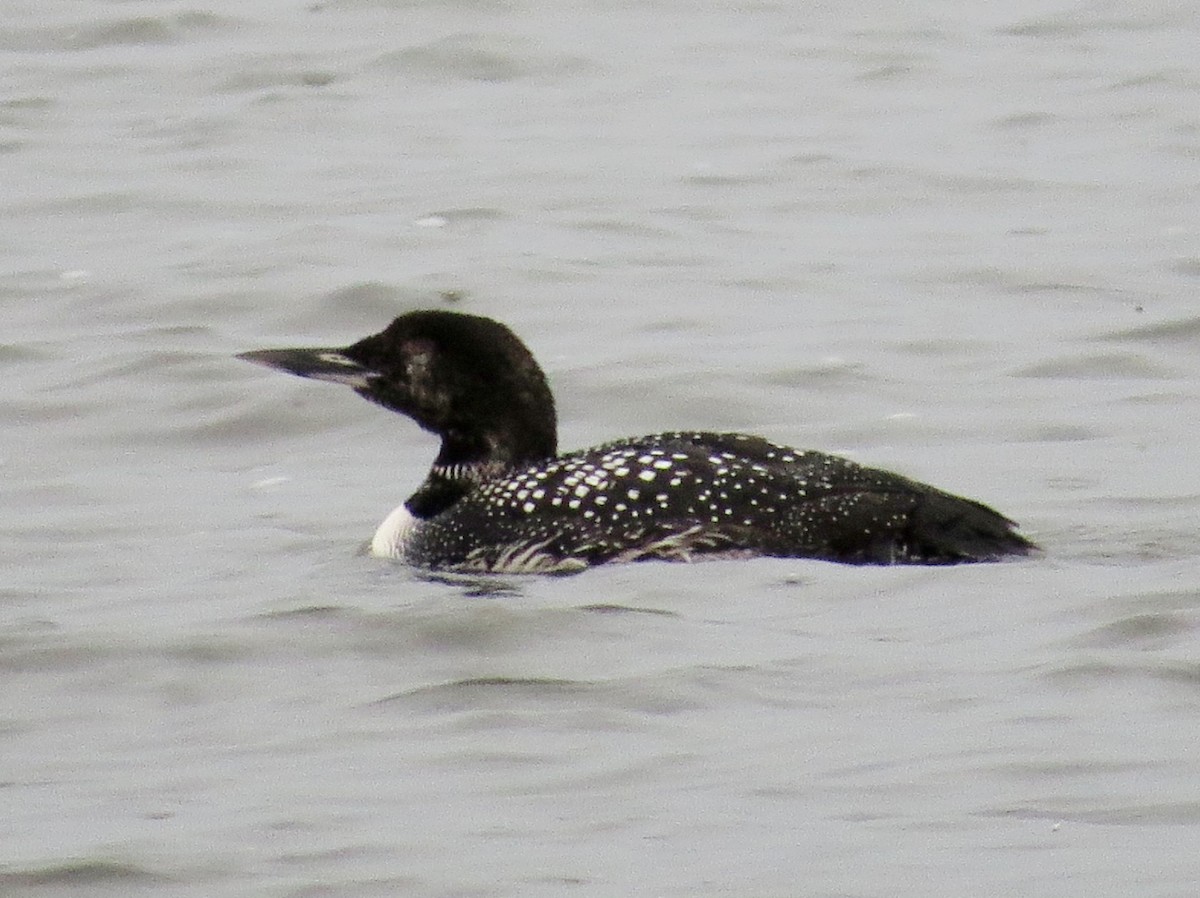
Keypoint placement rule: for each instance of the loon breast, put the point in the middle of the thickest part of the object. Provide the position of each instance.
(500, 497)
(392, 536)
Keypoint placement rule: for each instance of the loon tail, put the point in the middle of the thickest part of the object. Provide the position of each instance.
(946, 529)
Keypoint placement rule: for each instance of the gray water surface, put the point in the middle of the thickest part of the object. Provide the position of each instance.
(960, 241)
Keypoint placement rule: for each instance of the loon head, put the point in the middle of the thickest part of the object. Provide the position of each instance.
(466, 378)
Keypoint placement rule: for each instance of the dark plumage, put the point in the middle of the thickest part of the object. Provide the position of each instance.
(500, 498)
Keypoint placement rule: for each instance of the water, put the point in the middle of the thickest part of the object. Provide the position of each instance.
(952, 240)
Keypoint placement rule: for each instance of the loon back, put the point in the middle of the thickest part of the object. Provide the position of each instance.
(499, 498)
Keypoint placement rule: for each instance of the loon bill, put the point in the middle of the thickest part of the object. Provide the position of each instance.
(500, 498)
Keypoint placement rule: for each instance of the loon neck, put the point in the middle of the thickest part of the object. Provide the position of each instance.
(446, 484)
(503, 439)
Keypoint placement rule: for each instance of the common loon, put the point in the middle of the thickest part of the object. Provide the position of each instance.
(500, 498)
